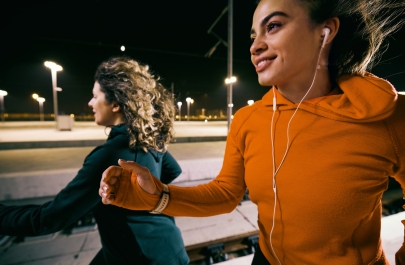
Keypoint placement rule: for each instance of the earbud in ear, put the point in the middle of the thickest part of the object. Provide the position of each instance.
(325, 32)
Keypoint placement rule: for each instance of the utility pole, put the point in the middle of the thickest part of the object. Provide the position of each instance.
(230, 57)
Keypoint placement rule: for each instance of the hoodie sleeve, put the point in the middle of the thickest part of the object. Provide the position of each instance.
(75, 200)
(219, 196)
(396, 125)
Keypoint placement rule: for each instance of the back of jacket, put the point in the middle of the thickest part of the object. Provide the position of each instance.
(128, 237)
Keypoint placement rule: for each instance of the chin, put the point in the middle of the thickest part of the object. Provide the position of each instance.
(266, 82)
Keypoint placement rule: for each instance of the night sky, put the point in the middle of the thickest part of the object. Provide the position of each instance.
(170, 36)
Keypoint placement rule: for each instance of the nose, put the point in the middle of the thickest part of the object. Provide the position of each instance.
(90, 103)
(257, 46)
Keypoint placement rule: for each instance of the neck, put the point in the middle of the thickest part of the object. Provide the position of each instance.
(296, 91)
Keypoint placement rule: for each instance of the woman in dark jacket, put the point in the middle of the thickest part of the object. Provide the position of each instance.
(128, 98)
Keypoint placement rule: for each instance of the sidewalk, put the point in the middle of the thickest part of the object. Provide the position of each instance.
(24, 135)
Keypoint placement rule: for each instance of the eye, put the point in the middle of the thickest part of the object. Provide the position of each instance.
(273, 25)
(252, 39)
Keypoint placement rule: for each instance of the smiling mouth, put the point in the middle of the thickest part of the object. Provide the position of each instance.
(265, 61)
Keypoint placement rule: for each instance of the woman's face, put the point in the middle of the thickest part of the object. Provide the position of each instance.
(285, 47)
(104, 113)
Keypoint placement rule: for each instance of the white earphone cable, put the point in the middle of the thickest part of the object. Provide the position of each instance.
(286, 150)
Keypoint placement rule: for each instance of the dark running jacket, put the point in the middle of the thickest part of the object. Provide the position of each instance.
(127, 237)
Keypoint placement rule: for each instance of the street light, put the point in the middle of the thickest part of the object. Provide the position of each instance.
(54, 68)
(229, 81)
(41, 105)
(401, 92)
(250, 102)
(179, 104)
(189, 101)
(41, 108)
(2, 94)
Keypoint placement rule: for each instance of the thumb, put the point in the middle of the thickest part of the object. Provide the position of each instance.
(145, 179)
(111, 175)
(140, 171)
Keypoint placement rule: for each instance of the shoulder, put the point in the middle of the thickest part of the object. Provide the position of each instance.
(111, 149)
(242, 115)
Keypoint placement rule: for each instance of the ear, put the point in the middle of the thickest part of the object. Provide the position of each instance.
(333, 25)
(116, 108)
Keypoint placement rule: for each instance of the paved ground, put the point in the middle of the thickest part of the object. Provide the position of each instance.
(22, 135)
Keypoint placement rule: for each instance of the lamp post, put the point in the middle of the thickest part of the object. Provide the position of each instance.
(54, 68)
(229, 81)
(2, 94)
(189, 101)
(41, 108)
(179, 104)
(41, 105)
(230, 60)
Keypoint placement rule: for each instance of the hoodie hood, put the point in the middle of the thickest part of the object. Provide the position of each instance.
(357, 99)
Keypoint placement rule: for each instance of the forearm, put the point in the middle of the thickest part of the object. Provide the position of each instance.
(215, 197)
(24, 221)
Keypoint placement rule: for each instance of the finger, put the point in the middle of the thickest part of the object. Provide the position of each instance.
(106, 200)
(140, 171)
(111, 174)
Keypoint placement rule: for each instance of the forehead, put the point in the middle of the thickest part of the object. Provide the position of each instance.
(96, 87)
(291, 8)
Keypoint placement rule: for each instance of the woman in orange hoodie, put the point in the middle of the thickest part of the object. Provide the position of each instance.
(315, 153)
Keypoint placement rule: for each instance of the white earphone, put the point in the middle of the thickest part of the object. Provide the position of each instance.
(325, 32)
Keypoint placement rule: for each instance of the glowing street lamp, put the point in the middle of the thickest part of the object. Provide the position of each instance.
(229, 81)
(41, 108)
(189, 101)
(250, 102)
(54, 68)
(2, 94)
(179, 104)
(401, 92)
(41, 105)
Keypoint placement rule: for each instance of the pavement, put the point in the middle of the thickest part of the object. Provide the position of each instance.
(46, 170)
(52, 158)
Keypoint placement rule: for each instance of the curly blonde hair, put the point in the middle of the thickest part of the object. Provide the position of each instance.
(147, 107)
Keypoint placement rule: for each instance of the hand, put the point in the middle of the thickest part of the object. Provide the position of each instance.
(111, 179)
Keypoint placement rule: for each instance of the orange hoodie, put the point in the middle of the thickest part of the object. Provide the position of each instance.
(343, 147)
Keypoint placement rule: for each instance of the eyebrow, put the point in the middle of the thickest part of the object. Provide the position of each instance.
(268, 17)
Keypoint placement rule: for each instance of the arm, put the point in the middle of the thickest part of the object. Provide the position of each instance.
(75, 200)
(134, 188)
(170, 168)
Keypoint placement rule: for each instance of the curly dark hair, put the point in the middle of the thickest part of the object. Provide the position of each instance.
(147, 107)
(364, 25)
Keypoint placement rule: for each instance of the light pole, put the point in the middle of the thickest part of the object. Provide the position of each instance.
(228, 44)
(189, 101)
(230, 60)
(41, 105)
(2, 94)
(179, 104)
(229, 81)
(41, 108)
(54, 68)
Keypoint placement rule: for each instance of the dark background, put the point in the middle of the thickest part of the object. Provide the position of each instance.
(170, 36)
